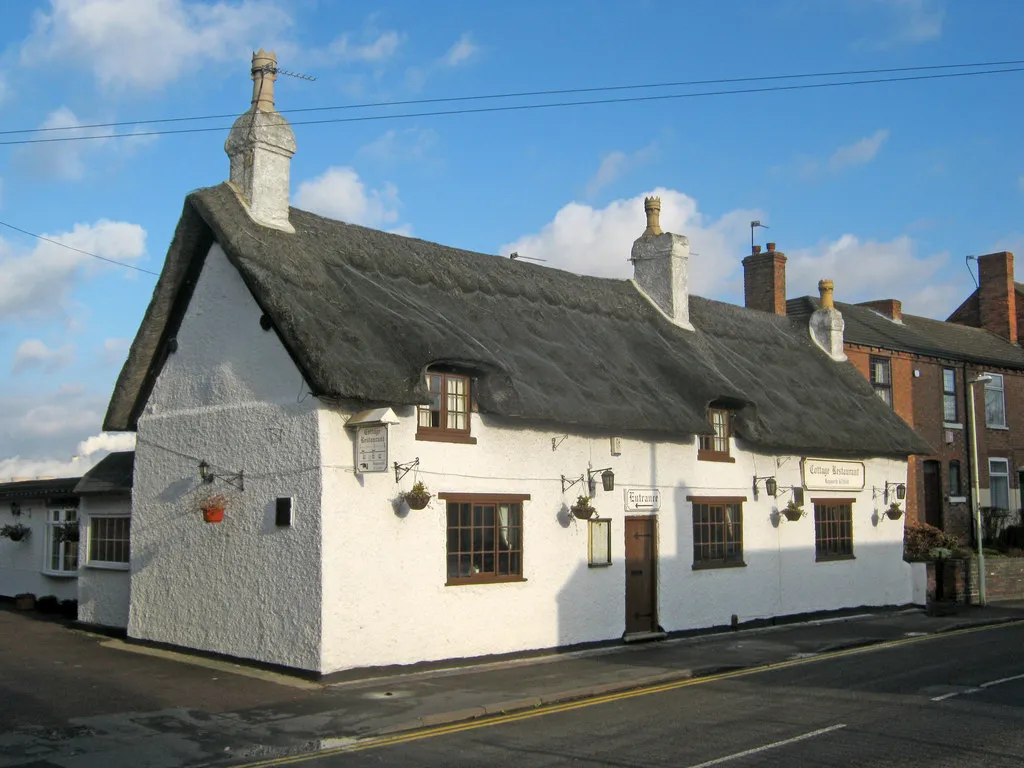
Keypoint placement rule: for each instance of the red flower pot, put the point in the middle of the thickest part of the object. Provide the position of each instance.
(213, 514)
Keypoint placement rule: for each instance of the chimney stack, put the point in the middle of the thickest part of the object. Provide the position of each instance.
(827, 323)
(997, 295)
(260, 147)
(660, 269)
(764, 280)
(891, 308)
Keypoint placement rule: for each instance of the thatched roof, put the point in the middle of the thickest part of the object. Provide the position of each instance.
(919, 335)
(113, 474)
(364, 312)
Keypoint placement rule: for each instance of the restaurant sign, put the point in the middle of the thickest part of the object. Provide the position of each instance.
(828, 475)
(372, 448)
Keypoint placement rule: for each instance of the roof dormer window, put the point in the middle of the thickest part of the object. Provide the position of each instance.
(715, 447)
(446, 418)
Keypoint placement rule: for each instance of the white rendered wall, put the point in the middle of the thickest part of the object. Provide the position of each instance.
(919, 580)
(22, 562)
(104, 591)
(385, 599)
(232, 396)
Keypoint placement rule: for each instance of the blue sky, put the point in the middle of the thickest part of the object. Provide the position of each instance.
(885, 188)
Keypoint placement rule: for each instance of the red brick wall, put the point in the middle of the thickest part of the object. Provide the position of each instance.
(997, 294)
(764, 281)
(1004, 579)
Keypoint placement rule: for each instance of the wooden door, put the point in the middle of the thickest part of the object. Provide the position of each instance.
(641, 562)
(932, 494)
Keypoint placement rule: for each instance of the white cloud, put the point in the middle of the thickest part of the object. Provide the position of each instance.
(865, 269)
(36, 283)
(461, 51)
(115, 351)
(394, 146)
(614, 165)
(859, 153)
(61, 159)
(597, 241)
(146, 44)
(107, 442)
(339, 193)
(87, 455)
(5, 89)
(383, 47)
(909, 22)
(33, 353)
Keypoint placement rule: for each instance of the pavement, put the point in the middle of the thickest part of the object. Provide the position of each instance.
(77, 699)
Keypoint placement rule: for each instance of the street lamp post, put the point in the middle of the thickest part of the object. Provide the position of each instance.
(975, 508)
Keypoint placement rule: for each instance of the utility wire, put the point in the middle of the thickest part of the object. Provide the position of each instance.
(550, 105)
(521, 94)
(78, 250)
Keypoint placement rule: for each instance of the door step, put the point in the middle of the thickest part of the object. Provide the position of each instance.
(643, 637)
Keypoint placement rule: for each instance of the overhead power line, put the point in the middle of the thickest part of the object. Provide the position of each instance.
(524, 107)
(78, 250)
(522, 94)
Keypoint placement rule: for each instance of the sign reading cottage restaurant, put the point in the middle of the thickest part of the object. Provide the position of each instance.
(372, 449)
(827, 475)
(642, 499)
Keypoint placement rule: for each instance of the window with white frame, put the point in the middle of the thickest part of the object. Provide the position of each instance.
(995, 402)
(949, 411)
(999, 483)
(109, 541)
(62, 541)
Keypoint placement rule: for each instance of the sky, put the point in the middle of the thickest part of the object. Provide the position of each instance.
(883, 187)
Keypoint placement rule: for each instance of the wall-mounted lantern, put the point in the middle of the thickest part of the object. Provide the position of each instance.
(771, 486)
(901, 490)
(607, 479)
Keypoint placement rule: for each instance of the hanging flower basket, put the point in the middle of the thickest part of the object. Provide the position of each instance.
(894, 511)
(792, 511)
(213, 508)
(16, 532)
(583, 509)
(418, 497)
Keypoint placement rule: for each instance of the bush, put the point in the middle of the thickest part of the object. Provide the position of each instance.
(1013, 537)
(48, 604)
(926, 542)
(69, 609)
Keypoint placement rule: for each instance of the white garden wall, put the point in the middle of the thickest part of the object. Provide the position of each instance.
(104, 591)
(229, 395)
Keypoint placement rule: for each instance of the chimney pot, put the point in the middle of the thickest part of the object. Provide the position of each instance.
(825, 289)
(764, 280)
(652, 207)
(827, 324)
(756, 249)
(771, 247)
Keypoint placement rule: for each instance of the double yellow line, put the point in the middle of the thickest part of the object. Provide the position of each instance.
(376, 742)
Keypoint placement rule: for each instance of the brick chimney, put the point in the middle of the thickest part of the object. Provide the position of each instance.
(260, 147)
(764, 280)
(997, 297)
(827, 323)
(891, 308)
(660, 267)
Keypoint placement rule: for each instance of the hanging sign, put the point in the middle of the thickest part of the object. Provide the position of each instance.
(642, 499)
(828, 475)
(372, 448)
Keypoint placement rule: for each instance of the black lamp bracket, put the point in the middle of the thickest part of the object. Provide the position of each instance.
(900, 488)
(767, 485)
(567, 483)
(235, 479)
(401, 470)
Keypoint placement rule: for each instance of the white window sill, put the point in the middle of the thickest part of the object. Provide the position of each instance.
(951, 425)
(99, 565)
(61, 574)
(957, 499)
(996, 426)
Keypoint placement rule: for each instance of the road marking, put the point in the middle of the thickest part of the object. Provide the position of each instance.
(981, 687)
(766, 747)
(376, 742)
(1001, 680)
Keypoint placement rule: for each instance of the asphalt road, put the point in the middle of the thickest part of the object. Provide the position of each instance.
(947, 701)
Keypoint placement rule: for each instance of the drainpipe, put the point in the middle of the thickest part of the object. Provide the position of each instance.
(974, 483)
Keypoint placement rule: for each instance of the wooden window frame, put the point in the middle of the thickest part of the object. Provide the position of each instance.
(701, 562)
(593, 525)
(483, 500)
(827, 556)
(444, 433)
(716, 441)
(881, 386)
(949, 396)
(94, 543)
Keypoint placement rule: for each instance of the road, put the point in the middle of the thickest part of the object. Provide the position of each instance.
(946, 701)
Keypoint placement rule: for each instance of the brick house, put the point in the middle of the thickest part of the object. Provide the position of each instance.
(920, 367)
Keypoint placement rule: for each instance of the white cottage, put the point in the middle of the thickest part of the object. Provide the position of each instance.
(309, 371)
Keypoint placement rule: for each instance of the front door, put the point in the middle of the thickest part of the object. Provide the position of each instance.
(932, 494)
(641, 559)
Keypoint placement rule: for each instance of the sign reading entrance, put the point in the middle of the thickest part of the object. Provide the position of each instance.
(827, 475)
(642, 499)
(372, 448)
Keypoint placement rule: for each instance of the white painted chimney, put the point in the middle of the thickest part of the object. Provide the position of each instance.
(260, 147)
(659, 267)
(827, 323)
